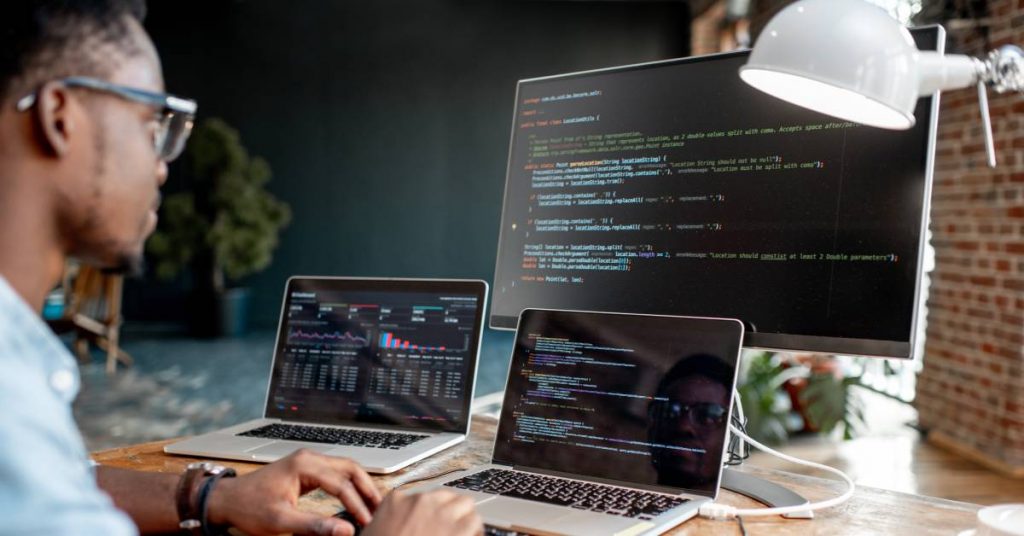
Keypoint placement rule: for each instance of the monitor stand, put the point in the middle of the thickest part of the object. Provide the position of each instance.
(763, 491)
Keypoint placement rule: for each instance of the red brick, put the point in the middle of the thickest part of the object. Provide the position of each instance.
(983, 314)
(1011, 319)
(953, 278)
(984, 281)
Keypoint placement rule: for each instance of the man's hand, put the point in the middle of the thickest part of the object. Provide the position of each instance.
(439, 512)
(264, 502)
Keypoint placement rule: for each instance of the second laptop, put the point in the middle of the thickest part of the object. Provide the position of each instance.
(378, 370)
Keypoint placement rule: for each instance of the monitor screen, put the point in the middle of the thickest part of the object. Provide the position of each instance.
(635, 399)
(384, 352)
(675, 188)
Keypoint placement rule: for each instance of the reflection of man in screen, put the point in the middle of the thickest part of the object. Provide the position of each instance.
(690, 411)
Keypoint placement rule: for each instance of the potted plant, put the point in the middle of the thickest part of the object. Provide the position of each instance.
(223, 227)
(769, 414)
(790, 393)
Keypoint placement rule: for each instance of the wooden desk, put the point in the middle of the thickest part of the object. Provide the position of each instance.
(870, 511)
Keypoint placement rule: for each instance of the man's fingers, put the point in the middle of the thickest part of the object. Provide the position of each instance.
(365, 485)
(352, 471)
(458, 506)
(353, 501)
(319, 470)
(294, 521)
(313, 467)
(461, 510)
(335, 476)
(471, 525)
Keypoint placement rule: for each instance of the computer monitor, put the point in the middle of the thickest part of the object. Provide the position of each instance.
(675, 188)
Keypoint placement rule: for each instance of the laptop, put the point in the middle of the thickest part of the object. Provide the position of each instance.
(612, 424)
(378, 370)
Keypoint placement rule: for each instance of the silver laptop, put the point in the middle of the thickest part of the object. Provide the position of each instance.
(378, 370)
(612, 424)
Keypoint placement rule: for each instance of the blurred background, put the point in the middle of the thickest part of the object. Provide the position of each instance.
(370, 138)
(385, 126)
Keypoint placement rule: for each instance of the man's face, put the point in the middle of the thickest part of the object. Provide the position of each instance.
(109, 203)
(694, 427)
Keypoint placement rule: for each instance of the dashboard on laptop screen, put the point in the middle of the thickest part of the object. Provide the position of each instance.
(384, 352)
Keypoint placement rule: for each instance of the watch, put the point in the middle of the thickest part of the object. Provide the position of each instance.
(189, 498)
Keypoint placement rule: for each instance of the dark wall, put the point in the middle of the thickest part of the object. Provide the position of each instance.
(386, 123)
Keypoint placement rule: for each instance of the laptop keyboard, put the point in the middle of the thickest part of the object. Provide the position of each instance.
(573, 493)
(335, 436)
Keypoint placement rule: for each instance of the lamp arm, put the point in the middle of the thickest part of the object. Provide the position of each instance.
(939, 72)
(1003, 71)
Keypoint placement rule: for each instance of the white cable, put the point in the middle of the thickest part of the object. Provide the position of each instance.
(725, 511)
(743, 451)
(739, 408)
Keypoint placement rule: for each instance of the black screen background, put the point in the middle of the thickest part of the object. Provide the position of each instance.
(868, 199)
(659, 343)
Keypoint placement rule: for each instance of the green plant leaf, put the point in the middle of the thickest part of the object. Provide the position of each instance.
(229, 216)
(759, 393)
(830, 402)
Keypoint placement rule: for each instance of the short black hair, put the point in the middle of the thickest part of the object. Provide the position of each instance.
(705, 365)
(41, 40)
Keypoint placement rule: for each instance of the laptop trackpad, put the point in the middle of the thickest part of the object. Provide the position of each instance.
(593, 523)
(517, 511)
(280, 449)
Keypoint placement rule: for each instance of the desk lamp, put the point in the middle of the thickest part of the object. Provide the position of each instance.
(851, 60)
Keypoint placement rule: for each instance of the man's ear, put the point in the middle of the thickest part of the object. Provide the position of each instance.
(54, 117)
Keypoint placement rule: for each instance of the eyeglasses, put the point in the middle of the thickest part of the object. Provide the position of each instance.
(173, 122)
(702, 413)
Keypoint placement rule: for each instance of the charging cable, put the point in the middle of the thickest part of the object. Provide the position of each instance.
(725, 511)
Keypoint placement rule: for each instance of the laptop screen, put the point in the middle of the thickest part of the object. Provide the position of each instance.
(636, 399)
(377, 352)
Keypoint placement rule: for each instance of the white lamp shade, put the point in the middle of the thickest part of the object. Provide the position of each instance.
(844, 58)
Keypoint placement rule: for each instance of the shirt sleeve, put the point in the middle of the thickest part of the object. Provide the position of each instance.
(46, 485)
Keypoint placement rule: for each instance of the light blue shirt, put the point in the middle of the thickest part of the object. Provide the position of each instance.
(47, 485)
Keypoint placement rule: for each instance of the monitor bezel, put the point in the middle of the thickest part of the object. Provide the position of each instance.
(753, 339)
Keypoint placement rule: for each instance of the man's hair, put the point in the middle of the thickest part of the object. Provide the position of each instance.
(704, 365)
(41, 40)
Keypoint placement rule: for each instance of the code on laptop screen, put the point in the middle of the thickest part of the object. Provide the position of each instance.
(643, 400)
(388, 352)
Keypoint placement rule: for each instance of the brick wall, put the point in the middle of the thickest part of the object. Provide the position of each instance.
(970, 393)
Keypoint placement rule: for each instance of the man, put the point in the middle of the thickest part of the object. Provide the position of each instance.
(85, 134)
(690, 410)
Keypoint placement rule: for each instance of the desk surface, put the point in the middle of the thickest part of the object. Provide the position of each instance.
(870, 511)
